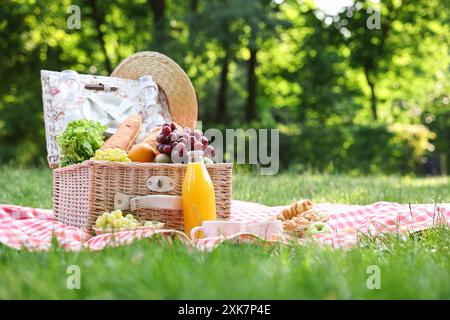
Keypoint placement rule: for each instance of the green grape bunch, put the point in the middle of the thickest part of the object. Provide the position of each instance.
(116, 220)
(111, 154)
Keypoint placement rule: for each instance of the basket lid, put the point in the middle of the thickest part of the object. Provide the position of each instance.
(170, 77)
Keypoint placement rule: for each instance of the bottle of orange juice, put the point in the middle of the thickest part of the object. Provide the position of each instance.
(198, 199)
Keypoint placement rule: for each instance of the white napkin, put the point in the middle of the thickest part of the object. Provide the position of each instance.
(108, 109)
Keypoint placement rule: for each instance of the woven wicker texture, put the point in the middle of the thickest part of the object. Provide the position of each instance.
(170, 78)
(83, 191)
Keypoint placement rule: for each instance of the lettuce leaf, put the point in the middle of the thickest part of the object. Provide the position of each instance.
(79, 141)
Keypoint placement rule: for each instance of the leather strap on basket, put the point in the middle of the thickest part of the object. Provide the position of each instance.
(156, 202)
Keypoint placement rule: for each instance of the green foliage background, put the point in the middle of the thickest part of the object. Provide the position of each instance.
(344, 96)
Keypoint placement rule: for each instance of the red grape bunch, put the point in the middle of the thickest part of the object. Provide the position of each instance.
(176, 143)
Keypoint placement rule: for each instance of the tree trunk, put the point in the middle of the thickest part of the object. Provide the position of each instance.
(221, 116)
(251, 80)
(371, 65)
(373, 97)
(99, 20)
(160, 25)
(443, 163)
(194, 5)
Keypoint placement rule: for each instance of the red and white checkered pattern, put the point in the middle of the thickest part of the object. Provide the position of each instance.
(30, 228)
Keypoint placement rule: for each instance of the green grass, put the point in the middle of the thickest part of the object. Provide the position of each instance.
(416, 268)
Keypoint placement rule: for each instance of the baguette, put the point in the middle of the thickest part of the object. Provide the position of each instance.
(125, 135)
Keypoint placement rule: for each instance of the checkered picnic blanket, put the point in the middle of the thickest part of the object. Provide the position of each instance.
(34, 229)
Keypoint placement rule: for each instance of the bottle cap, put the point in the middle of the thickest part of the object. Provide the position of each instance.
(66, 75)
(197, 153)
(146, 81)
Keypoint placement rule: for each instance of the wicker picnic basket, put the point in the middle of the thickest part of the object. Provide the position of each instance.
(150, 191)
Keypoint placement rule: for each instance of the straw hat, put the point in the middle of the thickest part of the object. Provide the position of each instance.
(170, 78)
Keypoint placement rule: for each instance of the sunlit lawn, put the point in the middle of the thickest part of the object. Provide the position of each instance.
(415, 268)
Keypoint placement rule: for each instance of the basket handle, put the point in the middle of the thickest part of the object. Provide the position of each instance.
(100, 87)
(156, 202)
(194, 232)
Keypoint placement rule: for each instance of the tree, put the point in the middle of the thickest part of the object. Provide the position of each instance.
(215, 22)
(99, 21)
(160, 27)
(255, 62)
(374, 49)
(262, 19)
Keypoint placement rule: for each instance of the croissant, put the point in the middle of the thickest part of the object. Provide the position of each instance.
(296, 225)
(299, 216)
(295, 209)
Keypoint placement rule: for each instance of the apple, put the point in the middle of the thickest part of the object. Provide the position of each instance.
(317, 228)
